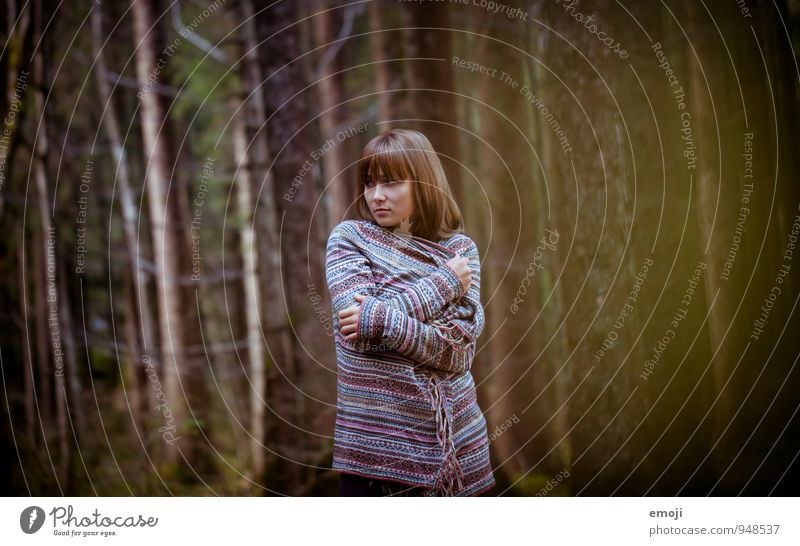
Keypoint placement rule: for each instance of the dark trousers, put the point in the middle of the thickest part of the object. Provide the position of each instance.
(351, 485)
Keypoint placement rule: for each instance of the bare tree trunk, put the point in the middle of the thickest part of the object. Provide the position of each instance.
(377, 50)
(139, 315)
(275, 324)
(300, 229)
(555, 319)
(16, 31)
(707, 183)
(167, 252)
(44, 389)
(329, 94)
(134, 383)
(77, 414)
(435, 99)
(49, 294)
(510, 349)
(255, 349)
(28, 373)
(77, 420)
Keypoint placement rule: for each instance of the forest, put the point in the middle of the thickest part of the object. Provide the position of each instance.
(170, 173)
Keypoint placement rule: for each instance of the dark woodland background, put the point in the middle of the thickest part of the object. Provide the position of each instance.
(170, 172)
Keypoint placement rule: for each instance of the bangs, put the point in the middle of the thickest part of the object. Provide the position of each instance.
(389, 157)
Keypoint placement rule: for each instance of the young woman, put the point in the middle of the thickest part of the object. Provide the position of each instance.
(405, 289)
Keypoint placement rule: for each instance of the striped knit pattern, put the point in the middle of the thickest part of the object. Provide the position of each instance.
(406, 405)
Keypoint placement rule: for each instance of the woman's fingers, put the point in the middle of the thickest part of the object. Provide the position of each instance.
(460, 265)
(344, 321)
(351, 319)
(348, 321)
(348, 318)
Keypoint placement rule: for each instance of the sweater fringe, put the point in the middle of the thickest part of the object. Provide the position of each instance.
(449, 481)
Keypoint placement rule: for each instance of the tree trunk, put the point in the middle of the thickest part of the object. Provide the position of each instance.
(275, 324)
(167, 251)
(377, 50)
(300, 228)
(139, 314)
(76, 417)
(329, 94)
(44, 389)
(434, 89)
(511, 341)
(16, 31)
(28, 373)
(707, 197)
(546, 218)
(255, 350)
(49, 320)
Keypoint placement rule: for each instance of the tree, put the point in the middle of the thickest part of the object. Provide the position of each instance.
(168, 251)
(329, 93)
(435, 107)
(139, 315)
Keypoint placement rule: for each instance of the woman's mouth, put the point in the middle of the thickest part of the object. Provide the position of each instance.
(378, 211)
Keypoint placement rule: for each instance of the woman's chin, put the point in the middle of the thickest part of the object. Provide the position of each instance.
(385, 222)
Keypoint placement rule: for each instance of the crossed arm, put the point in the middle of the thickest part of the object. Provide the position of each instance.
(432, 322)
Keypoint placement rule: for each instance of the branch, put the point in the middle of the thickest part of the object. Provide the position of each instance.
(197, 40)
(347, 26)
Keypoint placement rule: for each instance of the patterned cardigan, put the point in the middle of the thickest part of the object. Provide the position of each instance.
(406, 403)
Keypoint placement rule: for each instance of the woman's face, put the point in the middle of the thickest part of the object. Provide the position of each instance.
(389, 201)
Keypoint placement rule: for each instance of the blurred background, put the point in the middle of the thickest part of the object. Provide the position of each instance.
(170, 173)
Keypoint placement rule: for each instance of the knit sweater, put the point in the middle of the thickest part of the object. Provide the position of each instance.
(406, 404)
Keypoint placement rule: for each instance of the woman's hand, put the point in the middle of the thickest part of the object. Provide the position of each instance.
(461, 267)
(348, 319)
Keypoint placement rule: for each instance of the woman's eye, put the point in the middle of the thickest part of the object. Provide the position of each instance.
(370, 182)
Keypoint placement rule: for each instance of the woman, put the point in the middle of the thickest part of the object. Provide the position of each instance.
(405, 289)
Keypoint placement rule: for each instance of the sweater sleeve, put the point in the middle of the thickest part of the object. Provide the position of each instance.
(348, 273)
(446, 343)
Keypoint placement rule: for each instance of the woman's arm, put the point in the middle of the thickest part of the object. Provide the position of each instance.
(349, 273)
(447, 343)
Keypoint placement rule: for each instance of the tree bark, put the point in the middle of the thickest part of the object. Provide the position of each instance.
(16, 31)
(510, 340)
(555, 319)
(255, 349)
(167, 251)
(49, 287)
(434, 89)
(707, 196)
(139, 314)
(329, 94)
(275, 324)
(28, 370)
(300, 229)
(377, 50)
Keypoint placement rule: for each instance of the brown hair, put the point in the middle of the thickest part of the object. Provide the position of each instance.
(403, 154)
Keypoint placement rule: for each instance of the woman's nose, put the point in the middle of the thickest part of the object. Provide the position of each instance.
(378, 195)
